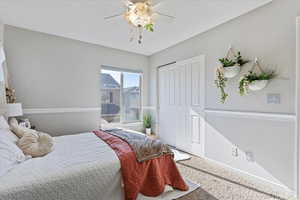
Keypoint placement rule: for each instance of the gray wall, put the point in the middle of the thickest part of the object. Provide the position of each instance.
(55, 72)
(267, 33)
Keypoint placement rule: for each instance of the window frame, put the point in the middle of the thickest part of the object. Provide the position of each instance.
(122, 112)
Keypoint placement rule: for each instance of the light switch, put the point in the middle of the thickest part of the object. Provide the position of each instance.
(273, 99)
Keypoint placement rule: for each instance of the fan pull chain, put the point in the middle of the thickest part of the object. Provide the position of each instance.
(140, 29)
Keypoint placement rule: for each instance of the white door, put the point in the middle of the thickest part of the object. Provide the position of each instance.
(181, 104)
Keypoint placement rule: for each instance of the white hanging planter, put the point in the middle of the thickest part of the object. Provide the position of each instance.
(231, 72)
(258, 85)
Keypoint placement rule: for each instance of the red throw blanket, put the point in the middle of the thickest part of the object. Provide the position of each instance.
(148, 178)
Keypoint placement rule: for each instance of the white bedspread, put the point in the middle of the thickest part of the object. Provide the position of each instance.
(82, 167)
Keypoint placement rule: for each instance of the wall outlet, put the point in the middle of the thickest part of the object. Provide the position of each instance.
(235, 151)
(249, 156)
(273, 98)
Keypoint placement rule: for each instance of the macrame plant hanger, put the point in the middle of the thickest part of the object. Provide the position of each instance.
(256, 65)
(230, 54)
(220, 75)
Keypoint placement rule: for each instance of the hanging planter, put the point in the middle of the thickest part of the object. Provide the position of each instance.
(230, 68)
(255, 81)
(258, 85)
(231, 72)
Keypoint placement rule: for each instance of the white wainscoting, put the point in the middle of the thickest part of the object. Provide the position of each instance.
(253, 115)
(272, 129)
(62, 121)
(273, 157)
(245, 114)
(215, 135)
(30, 111)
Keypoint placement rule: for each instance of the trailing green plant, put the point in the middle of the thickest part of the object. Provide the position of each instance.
(221, 84)
(147, 120)
(251, 77)
(149, 27)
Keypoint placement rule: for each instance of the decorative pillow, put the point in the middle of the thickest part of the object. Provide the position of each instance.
(17, 129)
(4, 127)
(36, 144)
(10, 154)
(32, 142)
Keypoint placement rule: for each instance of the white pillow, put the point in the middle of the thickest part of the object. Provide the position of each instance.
(5, 129)
(10, 154)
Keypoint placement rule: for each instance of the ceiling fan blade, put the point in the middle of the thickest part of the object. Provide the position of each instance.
(113, 16)
(137, 1)
(165, 15)
(128, 3)
(156, 3)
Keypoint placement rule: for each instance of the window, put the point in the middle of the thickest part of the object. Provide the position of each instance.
(120, 96)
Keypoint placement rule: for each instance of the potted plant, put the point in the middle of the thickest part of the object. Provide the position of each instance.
(232, 67)
(255, 82)
(147, 123)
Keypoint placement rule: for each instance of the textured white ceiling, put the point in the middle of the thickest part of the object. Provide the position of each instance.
(84, 20)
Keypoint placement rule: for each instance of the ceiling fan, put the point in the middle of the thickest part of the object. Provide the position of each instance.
(141, 15)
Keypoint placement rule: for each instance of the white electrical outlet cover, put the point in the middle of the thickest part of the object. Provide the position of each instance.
(249, 156)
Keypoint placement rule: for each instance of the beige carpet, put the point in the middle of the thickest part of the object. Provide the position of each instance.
(219, 183)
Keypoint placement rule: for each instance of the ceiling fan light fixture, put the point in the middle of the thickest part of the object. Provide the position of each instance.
(139, 14)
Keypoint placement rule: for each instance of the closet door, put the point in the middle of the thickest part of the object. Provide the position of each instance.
(181, 105)
(167, 108)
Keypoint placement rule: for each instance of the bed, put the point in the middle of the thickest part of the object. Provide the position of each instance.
(81, 167)
(77, 163)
